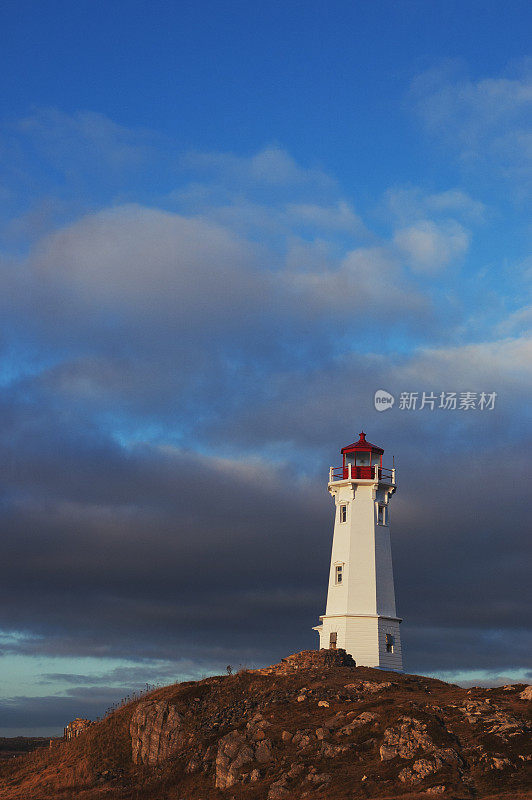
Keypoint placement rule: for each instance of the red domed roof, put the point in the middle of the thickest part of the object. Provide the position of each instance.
(362, 444)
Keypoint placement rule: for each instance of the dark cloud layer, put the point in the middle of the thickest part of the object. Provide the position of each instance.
(158, 552)
(176, 385)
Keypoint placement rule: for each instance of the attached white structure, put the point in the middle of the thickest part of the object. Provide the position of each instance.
(360, 614)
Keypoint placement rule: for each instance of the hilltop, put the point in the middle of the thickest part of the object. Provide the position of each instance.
(313, 726)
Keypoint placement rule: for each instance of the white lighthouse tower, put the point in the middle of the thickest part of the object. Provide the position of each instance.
(360, 615)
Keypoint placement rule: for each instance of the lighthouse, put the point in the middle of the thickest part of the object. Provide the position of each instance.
(360, 615)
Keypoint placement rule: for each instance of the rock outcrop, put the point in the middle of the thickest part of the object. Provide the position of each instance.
(156, 732)
(310, 659)
(233, 753)
(405, 739)
(313, 726)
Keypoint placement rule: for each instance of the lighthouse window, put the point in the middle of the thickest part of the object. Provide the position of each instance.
(339, 573)
(380, 515)
(343, 513)
(390, 643)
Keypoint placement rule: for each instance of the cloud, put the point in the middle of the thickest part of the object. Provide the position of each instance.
(73, 141)
(179, 374)
(456, 201)
(486, 120)
(141, 260)
(442, 642)
(125, 544)
(340, 217)
(152, 306)
(356, 286)
(429, 247)
(135, 676)
(267, 196)
(411, 204)
(504, 364)
(272, 167)
(47, 715)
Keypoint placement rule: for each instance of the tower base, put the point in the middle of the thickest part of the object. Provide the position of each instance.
(372, 640)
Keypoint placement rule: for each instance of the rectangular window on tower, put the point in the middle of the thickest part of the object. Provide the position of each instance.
(343, 513)
(390, 643)
(380, 515)
(333, 637)
(338, 574)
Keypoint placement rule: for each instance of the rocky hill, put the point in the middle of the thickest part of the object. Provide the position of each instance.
(313, 726)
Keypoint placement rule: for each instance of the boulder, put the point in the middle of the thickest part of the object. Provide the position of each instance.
(333, 750)
(264, 751)
(500, 763)
(318, 778)
(405, 739)
(361, 719)
(371, 686)
(233, 753)
(420, 769)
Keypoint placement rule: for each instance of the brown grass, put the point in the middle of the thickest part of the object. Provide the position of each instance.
(72, 770)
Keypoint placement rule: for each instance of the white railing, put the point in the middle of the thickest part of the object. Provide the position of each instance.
(355, 472)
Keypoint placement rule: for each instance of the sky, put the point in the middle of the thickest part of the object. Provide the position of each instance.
(224, 227)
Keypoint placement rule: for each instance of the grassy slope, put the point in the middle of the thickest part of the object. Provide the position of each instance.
(73, 770)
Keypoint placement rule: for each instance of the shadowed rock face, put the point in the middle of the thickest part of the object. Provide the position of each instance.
(156, 732)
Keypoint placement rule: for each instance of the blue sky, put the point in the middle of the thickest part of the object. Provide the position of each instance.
(223, 228)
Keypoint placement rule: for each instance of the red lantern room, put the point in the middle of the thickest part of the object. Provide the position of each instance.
(362, 461)
(364, 457)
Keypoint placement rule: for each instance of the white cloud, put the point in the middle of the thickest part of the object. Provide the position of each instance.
(145, 260)
(504, 365)
(458, 202)
(148, 268)
(487, 119)
(412, 203)
(339, 217)
(73, 141)
(474, 108)
(272, 166)
(429, 247)
(367, 282)
(267, 194)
